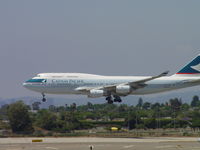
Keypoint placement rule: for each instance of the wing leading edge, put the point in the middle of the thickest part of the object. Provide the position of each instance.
(112, 88)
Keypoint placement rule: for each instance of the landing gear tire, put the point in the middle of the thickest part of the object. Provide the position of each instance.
(117, 99)
(109, 99)
(43, 99)
(110, 102)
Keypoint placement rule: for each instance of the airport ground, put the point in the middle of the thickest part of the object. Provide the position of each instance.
(84, 143)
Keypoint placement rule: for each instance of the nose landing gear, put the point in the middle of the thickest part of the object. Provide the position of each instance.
(43, 97)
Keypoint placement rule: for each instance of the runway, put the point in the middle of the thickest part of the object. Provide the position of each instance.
(80, 143)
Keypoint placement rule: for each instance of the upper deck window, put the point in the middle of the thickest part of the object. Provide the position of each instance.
(72, 76)
(56, 76)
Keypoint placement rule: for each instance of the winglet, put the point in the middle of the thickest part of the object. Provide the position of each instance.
(164, 73)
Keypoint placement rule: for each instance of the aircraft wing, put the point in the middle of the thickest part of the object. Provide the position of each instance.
(135, 84)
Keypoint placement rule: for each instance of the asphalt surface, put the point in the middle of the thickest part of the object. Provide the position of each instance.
(100, 143)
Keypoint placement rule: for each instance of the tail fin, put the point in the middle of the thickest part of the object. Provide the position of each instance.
(192, 68)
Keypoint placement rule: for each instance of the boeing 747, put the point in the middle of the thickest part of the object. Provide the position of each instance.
(114, 87)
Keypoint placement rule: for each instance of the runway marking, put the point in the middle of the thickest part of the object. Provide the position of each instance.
(193, 148)
(167, 146)
(51, 148)
(102, 145)
(128, 146)
(10, 145)
(15, 148)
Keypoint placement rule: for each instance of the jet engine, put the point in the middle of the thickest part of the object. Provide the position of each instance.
(96, 93)
(123, 89)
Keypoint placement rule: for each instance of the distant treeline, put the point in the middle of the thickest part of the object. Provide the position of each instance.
(21, 118)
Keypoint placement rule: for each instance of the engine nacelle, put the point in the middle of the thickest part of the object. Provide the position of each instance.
(96, 93)
(123, 89)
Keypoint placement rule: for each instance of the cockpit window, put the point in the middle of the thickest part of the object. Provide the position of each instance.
(37, 80)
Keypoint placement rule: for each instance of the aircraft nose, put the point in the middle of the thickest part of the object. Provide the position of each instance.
(25, 84)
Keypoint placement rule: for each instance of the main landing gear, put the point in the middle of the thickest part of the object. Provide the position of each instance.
(117, 99)
(110, 100)
(43, 97)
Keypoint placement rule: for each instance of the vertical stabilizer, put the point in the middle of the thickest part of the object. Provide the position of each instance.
(193, 68)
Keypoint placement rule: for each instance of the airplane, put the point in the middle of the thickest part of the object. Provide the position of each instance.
(114, 87)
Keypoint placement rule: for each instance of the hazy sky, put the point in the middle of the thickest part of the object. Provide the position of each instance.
(108, 37)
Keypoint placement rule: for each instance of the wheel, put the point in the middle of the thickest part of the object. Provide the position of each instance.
(109, 99)
(117, 99)
(110, 102)
(44, 99)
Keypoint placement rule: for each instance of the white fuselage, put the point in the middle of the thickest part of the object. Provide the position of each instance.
(67, 83)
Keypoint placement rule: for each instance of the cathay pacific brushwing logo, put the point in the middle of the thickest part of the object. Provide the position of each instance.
(196, 67)
(44, 81)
